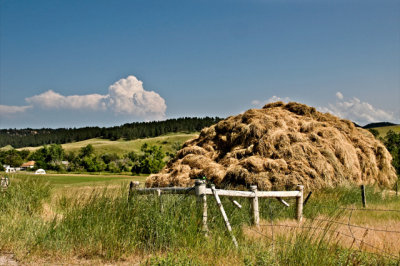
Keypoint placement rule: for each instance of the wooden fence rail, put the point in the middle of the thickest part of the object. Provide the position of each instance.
(201, 191)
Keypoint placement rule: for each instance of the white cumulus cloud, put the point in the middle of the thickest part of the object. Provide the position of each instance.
(6, 110)
(125, 97)
(54, 100)
(339, 95)
(356, 110)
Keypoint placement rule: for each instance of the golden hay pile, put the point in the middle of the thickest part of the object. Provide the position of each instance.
(278, 147)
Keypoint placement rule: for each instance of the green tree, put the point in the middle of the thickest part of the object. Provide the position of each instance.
(113, 167)
(109, 157)
(392, 143)
(150, 161)
(374, 132)
(49, 157)
(93, 164)
(12, 157)
(24, 154)
(86, 151)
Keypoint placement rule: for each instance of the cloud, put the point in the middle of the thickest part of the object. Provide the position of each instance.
(270, 100)
(353, 109)
(339, 95)
(356, 110)
(125, 97)
(6, 110)
(54, 100)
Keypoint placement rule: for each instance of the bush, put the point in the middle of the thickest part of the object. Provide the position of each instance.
(150, 161)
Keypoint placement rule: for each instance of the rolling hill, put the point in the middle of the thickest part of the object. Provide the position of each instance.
(383, 130)
(102, 146)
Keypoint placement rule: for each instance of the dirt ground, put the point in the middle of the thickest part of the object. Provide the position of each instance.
(8, 259)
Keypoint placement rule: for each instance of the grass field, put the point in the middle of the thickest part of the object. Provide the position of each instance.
(102, 146)
(74, 219)
(383, 130)
(60, 181)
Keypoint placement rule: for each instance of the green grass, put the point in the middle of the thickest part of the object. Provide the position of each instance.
(76, 180)
(103, 225)
(6, 148)
(383, 130)
(102, 146)
(58, 180)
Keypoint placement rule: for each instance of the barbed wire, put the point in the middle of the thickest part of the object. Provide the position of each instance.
(356, 209)
(348, 224)
(357, 226)
(333, 231)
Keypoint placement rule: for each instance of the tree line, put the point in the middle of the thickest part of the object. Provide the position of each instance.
(150, 159)
(19, 138)
(392, 143)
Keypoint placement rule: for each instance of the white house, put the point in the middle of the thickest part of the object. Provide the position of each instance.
(10, 169)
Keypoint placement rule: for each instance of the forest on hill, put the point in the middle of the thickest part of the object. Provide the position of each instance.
(378, 124)
(29, 137)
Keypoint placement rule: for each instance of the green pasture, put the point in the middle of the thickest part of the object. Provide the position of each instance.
(168, 142)
(383, 130)
(58, 181)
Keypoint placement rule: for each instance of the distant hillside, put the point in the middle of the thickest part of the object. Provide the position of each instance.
(168, 142)
(379, 124)
(19, 138)
(383, 130)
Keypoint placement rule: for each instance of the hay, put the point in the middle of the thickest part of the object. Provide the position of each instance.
(278, 147)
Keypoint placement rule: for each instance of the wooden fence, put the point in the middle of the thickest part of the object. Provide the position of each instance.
(201, 191)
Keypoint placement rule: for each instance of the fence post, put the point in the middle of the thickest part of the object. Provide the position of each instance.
(363, 197)
(132, 185)
(254, 205)
(130, 191)
(299, 203)
(200, 188)
(221, 208)
(160, 200)
(307, 198)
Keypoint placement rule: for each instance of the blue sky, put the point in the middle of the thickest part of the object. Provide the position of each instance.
(101, 63)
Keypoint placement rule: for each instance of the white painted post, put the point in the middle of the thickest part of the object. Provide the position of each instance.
(256, 213)
(200, 188)
(221, 208)
(299, 203)
(160, 200)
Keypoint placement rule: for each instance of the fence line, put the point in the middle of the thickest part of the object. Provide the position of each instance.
(201, 191)
(357, 226)
(389, 255)
(357, 209)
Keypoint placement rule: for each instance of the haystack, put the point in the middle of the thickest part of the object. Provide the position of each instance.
(278, 147)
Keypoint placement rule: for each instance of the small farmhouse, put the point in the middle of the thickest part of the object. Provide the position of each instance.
(28, 165)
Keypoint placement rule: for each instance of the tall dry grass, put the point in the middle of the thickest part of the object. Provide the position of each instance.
(101, 226)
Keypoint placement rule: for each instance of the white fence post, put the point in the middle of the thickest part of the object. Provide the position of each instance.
(221, 208)
(160, 200)
(299, 203)
(200, 188)
(256, 213)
